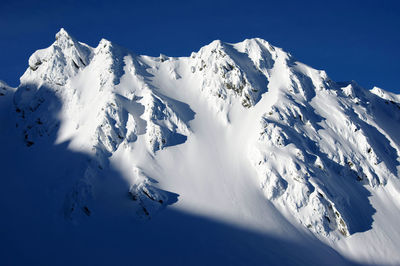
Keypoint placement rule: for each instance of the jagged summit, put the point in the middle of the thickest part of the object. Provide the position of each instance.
(56, 63)
(239, 133)
(62, 34)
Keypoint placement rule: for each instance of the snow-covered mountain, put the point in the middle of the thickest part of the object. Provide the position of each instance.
(242, 135)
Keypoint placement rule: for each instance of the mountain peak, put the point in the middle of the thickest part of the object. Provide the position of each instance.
(241, 132)
(62, 34)
(58, 62)
(104, 42)
(104, 45)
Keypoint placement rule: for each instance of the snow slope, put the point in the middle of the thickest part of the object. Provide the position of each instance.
(237, 154)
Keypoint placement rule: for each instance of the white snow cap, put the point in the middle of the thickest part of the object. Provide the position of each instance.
(242, 132)
(62, 33)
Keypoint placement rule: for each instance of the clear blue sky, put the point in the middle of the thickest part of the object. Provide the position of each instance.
(351, 40)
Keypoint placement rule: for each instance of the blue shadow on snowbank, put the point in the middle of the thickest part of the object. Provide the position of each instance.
(35, 181)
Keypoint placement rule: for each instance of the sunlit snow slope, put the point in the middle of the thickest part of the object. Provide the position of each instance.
(238, 143)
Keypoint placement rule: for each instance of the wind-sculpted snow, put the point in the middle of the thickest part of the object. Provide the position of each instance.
(150, 198)
(58, 62)
(98, 114)
(241, 133)
(228, 71)
(318, 147)
(164, 126)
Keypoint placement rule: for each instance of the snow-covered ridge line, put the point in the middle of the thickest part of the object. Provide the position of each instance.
(317, 149)
(82, 85)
